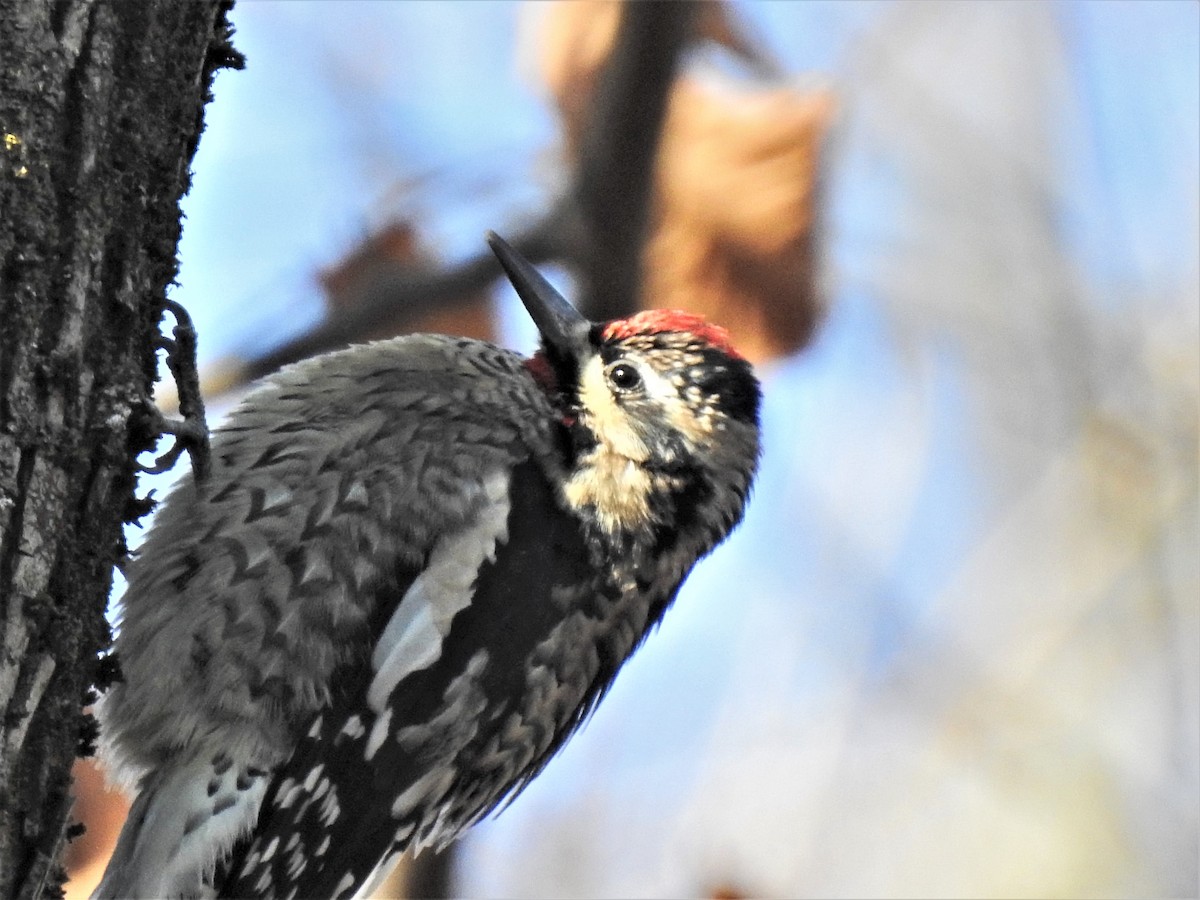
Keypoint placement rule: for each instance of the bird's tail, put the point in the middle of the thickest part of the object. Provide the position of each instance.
(185, 820)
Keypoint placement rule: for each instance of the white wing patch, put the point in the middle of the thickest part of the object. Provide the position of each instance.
(413, 637)
(379, 731)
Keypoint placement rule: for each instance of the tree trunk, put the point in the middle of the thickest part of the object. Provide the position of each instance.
(101, 107)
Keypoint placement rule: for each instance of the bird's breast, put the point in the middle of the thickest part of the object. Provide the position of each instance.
(612, 489)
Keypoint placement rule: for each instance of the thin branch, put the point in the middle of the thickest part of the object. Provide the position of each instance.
(598, 226)
(416, 290)
(619, 147)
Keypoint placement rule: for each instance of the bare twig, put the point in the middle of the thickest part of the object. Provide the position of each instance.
(598, 226)
(620, 143)
(417, 290)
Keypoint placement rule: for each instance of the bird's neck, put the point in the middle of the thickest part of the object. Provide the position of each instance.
(615, 492)
(540, 367)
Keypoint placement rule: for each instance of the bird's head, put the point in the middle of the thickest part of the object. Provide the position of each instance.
(660, 410)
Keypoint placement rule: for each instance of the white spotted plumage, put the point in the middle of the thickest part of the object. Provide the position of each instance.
(414, 571)
(195, 808)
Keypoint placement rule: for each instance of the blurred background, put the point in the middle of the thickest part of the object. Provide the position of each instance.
(954, 650)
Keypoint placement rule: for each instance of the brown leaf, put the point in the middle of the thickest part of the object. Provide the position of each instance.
(736, 206)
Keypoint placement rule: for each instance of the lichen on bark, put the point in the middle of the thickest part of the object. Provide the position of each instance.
(101, 108)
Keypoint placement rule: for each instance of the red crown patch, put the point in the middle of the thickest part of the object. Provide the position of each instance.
(658, 321)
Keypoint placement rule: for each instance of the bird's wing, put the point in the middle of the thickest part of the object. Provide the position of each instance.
(331, 486)
(475, 679)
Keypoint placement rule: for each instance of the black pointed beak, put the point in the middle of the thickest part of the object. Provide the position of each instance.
(564, 330)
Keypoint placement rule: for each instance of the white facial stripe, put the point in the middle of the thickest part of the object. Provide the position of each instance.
(412, 639)
(610, 478)
(657, 386)
(606, 419)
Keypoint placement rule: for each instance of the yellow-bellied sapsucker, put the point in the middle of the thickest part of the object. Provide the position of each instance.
(413, 572)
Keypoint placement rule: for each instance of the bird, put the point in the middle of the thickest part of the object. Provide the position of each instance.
(411, 574)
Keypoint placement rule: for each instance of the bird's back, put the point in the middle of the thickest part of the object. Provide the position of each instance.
(330, 485)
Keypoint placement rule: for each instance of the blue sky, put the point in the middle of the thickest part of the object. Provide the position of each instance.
(339, 103)
(876, 484)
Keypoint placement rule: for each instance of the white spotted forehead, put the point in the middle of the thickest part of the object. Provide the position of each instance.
(681, 355)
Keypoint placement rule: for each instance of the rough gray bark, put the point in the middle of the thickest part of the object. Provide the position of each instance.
(101, 106)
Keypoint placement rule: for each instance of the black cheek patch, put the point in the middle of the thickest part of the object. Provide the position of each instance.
(733, 381)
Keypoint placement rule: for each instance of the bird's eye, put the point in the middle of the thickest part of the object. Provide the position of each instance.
(624, 377)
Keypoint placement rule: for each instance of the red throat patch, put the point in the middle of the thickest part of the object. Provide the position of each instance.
(658, 321)
(543, 373)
